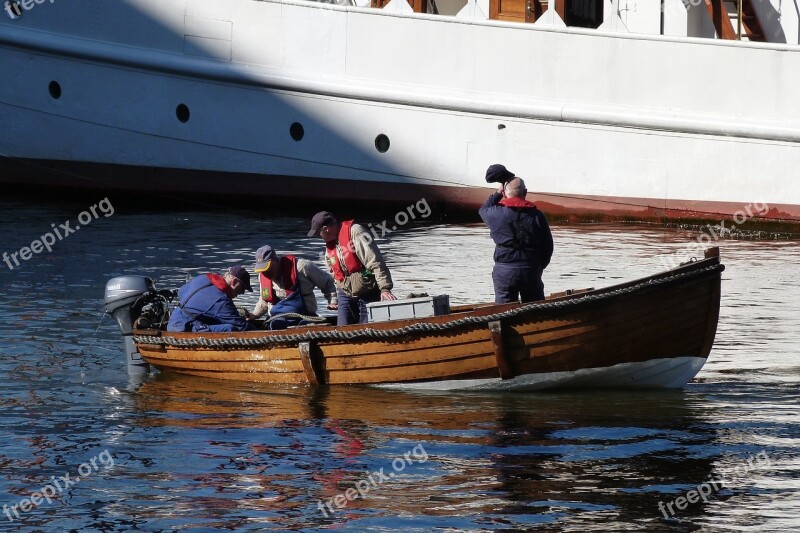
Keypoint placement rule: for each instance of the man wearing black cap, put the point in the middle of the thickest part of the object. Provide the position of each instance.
(206, 303)
(358, 268)
(524, 243)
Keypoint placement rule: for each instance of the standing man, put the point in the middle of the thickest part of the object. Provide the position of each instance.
(287, 285)
(524, 244)
(359, 270)
(206, 303)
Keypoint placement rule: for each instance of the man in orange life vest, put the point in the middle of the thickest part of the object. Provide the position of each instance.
(357, 264)
(206, 303)
(524, 244)
(287, 285)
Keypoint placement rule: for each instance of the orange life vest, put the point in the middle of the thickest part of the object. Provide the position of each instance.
(220, 283)
(342, 253)
(516, 202)
(289, 270)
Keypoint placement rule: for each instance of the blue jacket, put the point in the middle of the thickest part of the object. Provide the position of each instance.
(521, 234)
(203, 307)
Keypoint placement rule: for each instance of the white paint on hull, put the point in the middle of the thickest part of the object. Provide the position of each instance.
(616, 115)
(668, 373)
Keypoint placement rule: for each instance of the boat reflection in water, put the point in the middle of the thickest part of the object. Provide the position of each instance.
(285, 452)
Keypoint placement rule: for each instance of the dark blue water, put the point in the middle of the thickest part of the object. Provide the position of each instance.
(176, 452)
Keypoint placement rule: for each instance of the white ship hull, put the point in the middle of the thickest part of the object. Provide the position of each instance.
(601, 123)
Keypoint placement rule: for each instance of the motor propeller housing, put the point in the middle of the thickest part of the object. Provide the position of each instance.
(121, 293)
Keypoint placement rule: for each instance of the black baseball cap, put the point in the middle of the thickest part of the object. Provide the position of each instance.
(498, 174)
(323, 218)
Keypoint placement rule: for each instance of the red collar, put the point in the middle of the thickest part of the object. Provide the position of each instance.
(220, 283)
(516, 202)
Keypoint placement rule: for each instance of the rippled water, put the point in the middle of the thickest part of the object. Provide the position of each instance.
(194, 453)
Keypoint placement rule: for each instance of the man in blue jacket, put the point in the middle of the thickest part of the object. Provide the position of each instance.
(206, 303)
(524, 244)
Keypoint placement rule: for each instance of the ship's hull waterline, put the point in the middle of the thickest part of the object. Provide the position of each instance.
(607, 126)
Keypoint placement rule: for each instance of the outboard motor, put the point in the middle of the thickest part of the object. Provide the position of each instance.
(121, 294)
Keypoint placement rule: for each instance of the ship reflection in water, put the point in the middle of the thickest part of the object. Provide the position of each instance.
(198, 453)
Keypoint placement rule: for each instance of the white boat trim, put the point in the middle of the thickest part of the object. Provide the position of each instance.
(667, 373)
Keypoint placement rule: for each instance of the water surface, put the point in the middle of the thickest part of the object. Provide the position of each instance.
(195, 453)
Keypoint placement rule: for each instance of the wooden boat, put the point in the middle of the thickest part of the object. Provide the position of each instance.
(652, 332)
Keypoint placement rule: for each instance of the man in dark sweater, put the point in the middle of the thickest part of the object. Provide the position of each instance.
(524, 244)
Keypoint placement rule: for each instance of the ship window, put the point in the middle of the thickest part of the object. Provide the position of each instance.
(584, 13)
(55, 90)
(182, 112)
(296, 131)
(382, 143)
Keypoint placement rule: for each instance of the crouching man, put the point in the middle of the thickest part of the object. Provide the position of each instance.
(205, 304)
(287, 286)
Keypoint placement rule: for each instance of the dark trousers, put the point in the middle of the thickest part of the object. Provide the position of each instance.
(513, 283)
(353, 310)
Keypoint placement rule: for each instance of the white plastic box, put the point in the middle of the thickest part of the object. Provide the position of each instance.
(409, 308)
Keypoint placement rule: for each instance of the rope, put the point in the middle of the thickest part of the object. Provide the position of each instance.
(424, 327)
(296, 315)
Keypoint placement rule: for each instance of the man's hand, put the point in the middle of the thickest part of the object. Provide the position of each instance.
(502, 189)
(387, 295)
(333, 306)
(247, 315)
